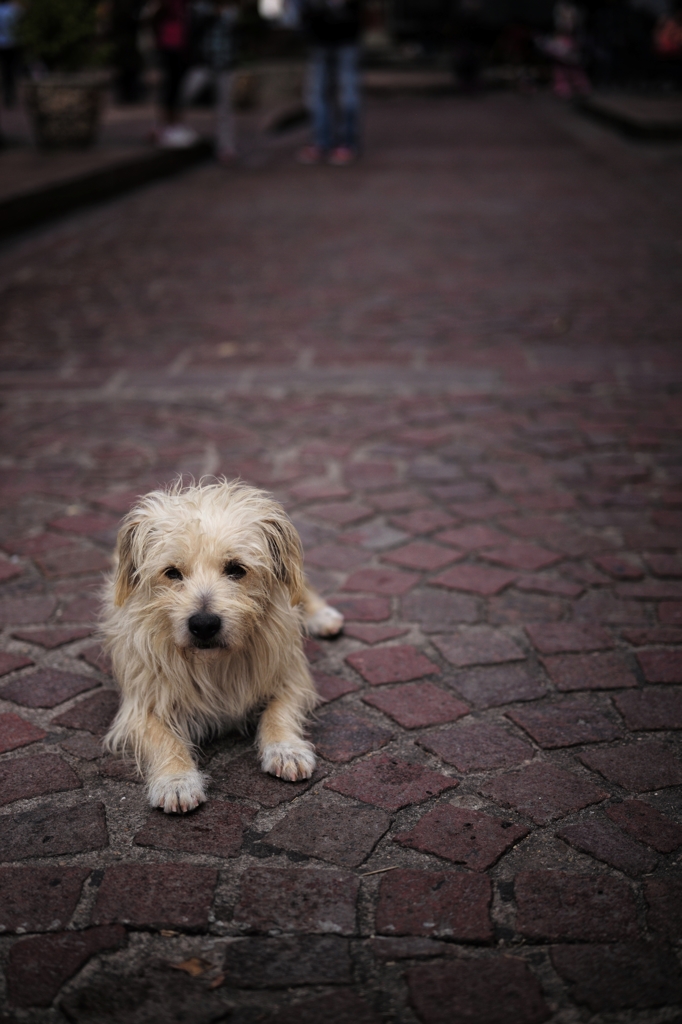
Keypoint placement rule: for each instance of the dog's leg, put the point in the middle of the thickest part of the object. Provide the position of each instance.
(319, 617)
(174, 782)
(283, 751)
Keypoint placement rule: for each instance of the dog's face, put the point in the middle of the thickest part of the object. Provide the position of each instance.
(198, 567)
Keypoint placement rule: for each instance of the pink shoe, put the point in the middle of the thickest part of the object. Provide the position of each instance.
(341, 156)
(309, 155)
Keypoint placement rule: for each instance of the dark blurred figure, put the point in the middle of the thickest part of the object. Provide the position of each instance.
(472, 39)
(126, 57)
(618, 47)
(333, 28)
(171, 23)
(668, 47)
(9, 51)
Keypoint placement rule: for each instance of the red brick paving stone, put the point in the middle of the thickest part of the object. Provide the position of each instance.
(397, 664)
(661, 666)
(38, 967)
(397, 501)
(258, 963)
(85, 524)
(23, 610)
(638, 767)
(94, 714)
(423, 520)
(35, 775)
(463, 836)
(664, 899)
(410, 948)
(521, 555)
(669, 612)
(664, 565)
(46, 688)
(651, 708)
(556, 906)
(215, 828)
(84, 746)
(8, 570)
(654, 635)
(17, 732)
(650, 590)
(437, 611)
(483, 509)
(478, 645)
(297, 900)
(320, 491)
(390, 782)
(332, 687)
(340, 735)
(371, 476)
(36, 899)
(608, 671)
(390, 582)
(98, 658)
(31, 546)
(564, 638)
(471, 538)
(621, 977)
(83, 608)
(543, 792)
(53, 831)
(493, 686)
(243, 777)
(118, 501)
(499, 990)
(73, 562)
(10, 662)
(370, 634)
(344, 1007)
(475, 579)
(155, 895)
(344, 835)
(312, 650)
(416, 705)
(340, 513)
(548, 585)
(52, 638)
(362, 609)
(336, 556)
(565, 724)
(422, 555)
(622, 567)
(477, 747)
(603, 841)
(451, 905)
(647, 824)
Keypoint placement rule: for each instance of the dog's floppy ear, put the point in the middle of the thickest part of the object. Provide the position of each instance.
(125, 581)
(287, 555)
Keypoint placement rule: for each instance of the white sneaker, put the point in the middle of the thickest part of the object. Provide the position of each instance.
(178, 136)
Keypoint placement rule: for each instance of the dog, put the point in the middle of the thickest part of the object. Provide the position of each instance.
(204, 617)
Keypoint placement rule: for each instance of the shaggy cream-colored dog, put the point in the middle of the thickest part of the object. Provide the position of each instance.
(204, 619)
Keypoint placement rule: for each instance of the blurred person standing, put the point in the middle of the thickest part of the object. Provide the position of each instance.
(219, 51)
(170, 19)
(9, 50)
(333, 27)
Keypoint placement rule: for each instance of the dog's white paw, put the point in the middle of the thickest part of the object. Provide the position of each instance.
(327, 621)
(177, 794)
(290, 761)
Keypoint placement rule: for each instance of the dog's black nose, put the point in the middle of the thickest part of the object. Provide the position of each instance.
(204, 625)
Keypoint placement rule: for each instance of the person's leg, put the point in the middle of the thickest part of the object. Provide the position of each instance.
(348, 85)
(225, 141)
(318, 97)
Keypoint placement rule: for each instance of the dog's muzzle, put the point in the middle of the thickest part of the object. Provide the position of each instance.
(204, 627)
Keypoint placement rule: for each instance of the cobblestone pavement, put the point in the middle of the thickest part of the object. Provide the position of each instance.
(458, 365)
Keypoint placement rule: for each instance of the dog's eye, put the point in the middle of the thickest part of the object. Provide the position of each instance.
(172, 573)
(234, 570)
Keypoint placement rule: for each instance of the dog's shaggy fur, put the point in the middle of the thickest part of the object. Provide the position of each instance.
(204, 616)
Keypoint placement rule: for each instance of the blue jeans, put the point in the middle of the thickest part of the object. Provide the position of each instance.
(334, 123)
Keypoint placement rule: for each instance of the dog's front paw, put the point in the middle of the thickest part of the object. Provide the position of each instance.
(177, 794)
(290, 761)
(326, 621)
